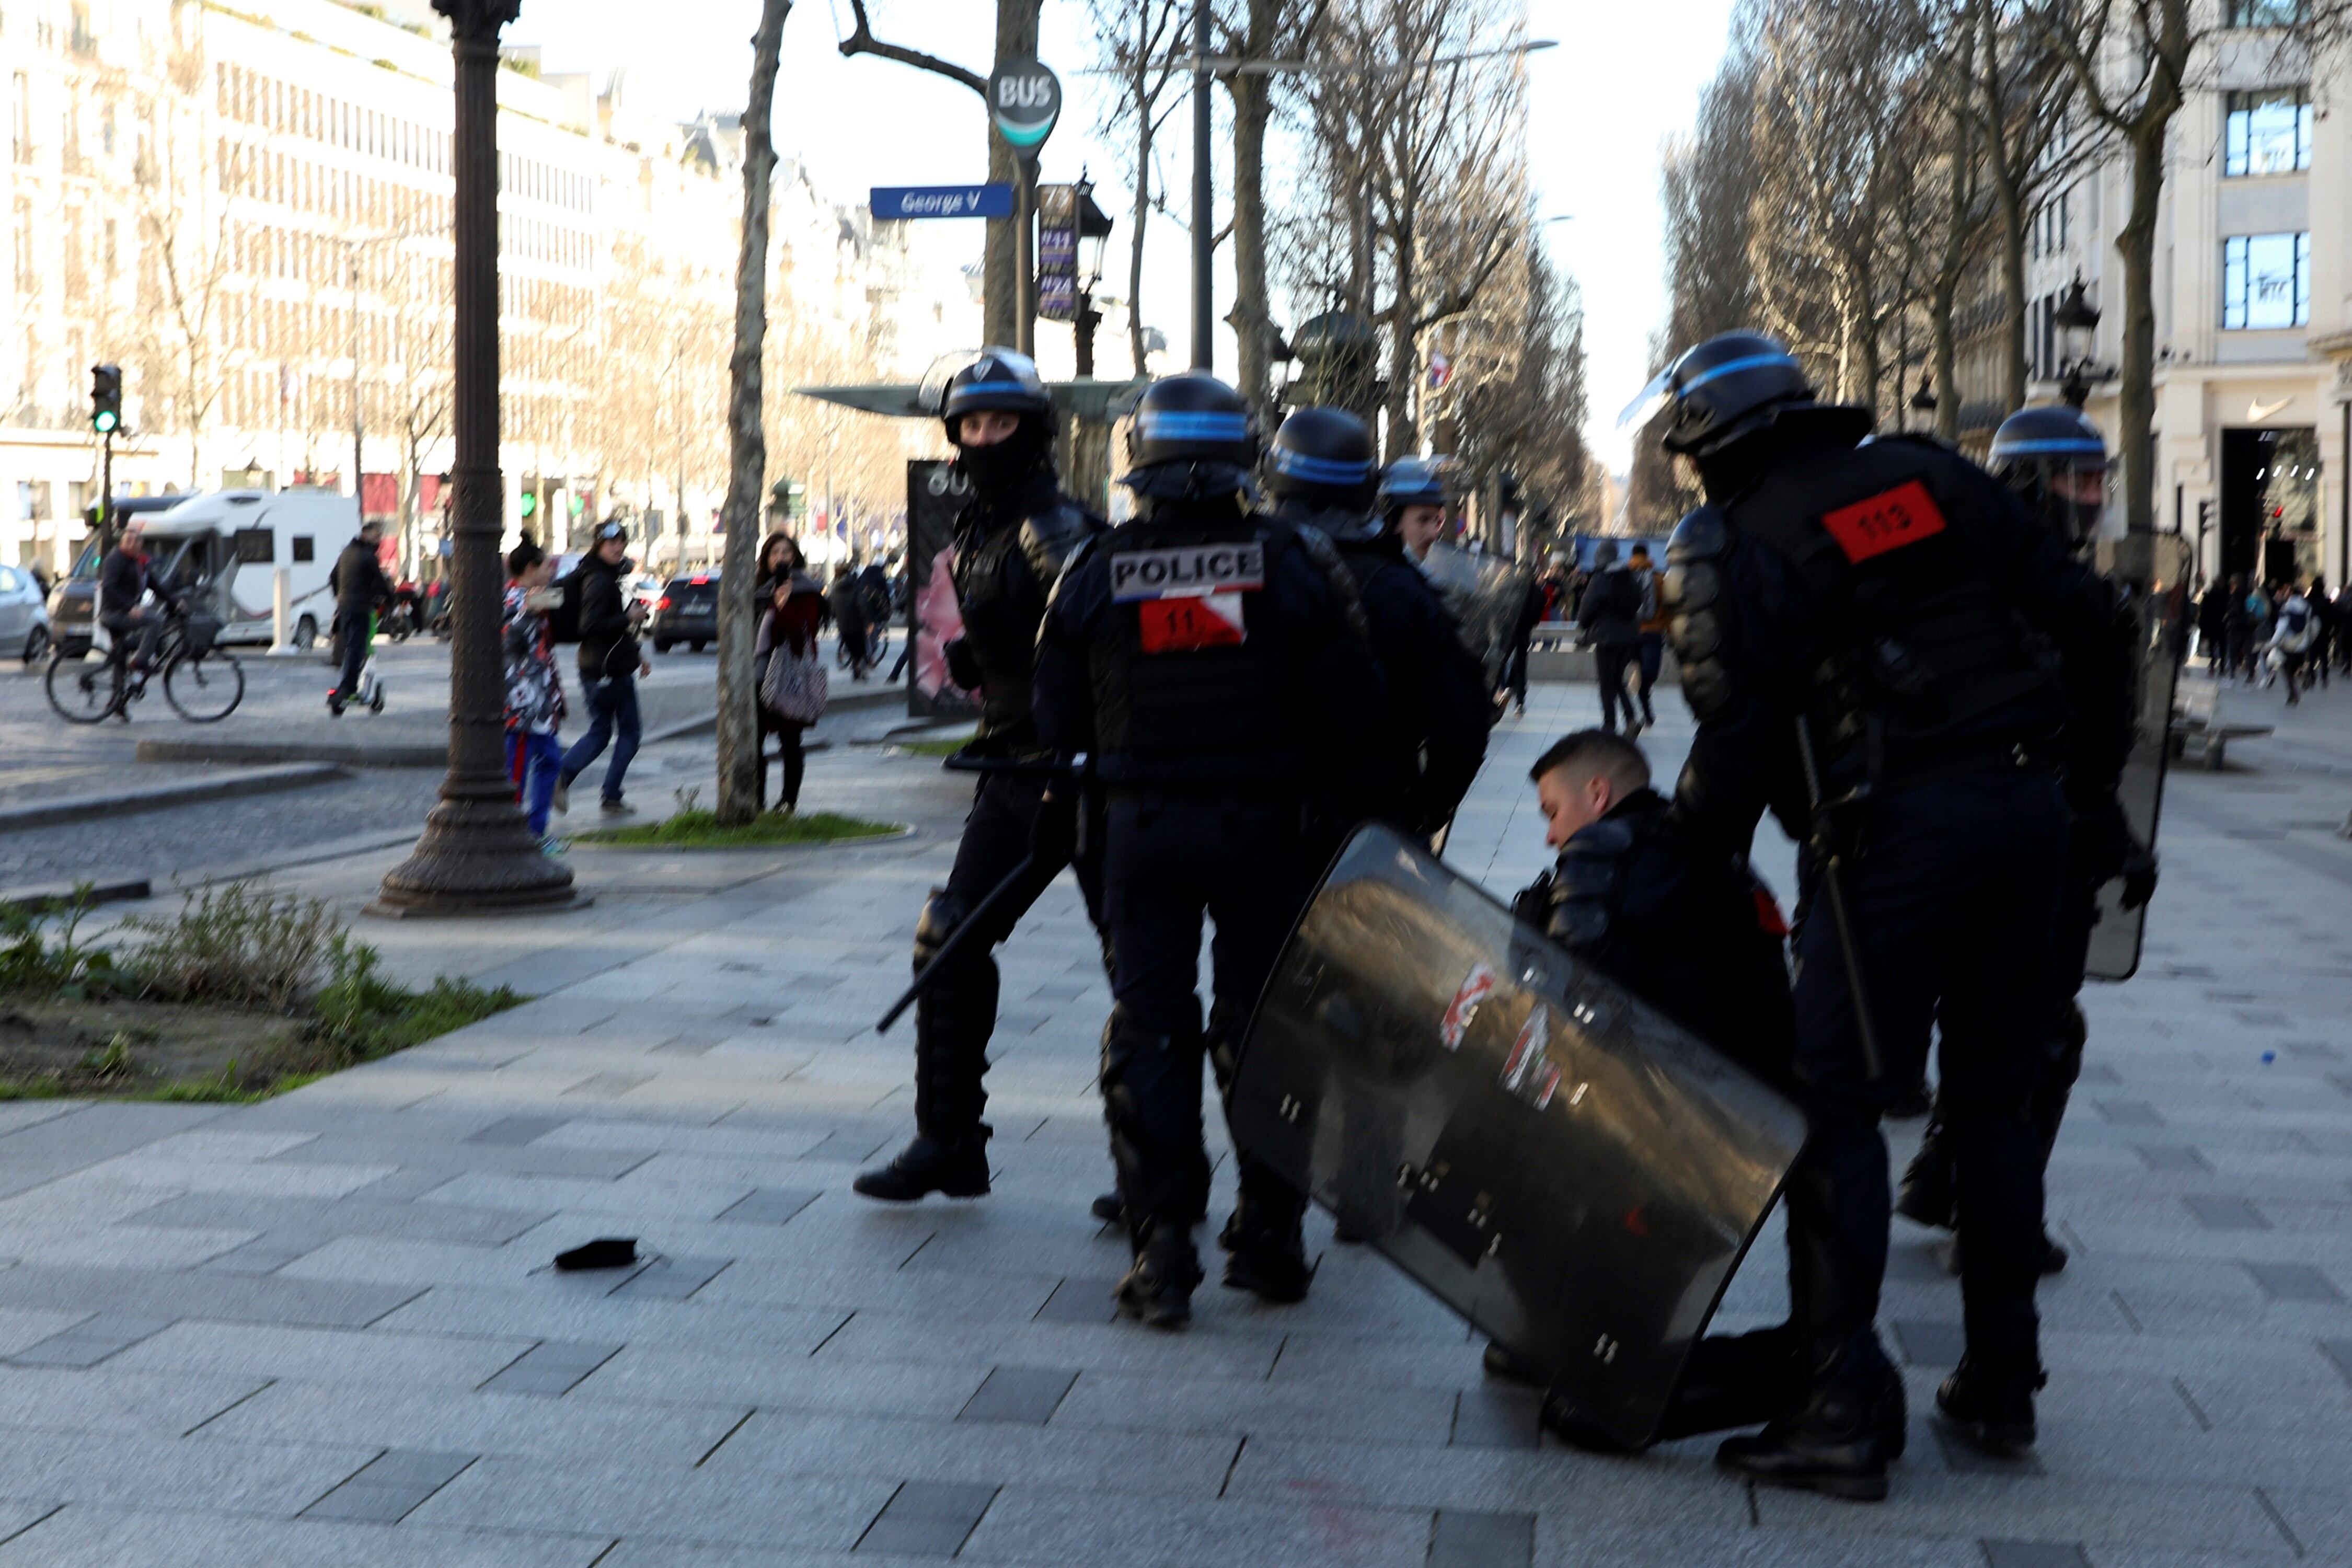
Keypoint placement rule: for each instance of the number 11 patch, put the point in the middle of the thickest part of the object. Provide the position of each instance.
(1190, 622)
(1876, 525)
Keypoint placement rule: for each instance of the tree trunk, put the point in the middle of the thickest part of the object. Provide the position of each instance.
(1403, 358)
(1135, 246)
(1016, 38)
(747, 444)
(1253, 107)
(2135, 395)
(1946, 361)
(2013, 294)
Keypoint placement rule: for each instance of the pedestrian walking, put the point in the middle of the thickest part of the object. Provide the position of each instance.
(2323, 635)
(847, 598)
(2213, 627)
(1611, 620)
(1652, 649)
(789, 701)
(2293, 630)
(2234, 625)
(610, 663)
(780, 557)
(534, 707)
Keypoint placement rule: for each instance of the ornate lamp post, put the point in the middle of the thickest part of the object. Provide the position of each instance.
(476, 854)
(2077, 320)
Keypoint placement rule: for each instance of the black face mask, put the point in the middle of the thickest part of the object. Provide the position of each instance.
(995, 471)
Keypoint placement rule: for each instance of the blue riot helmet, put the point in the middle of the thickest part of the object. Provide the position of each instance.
(1191, 439)
(1732, 387)
(1410, 481)
(2055, 459)
(1322, 458)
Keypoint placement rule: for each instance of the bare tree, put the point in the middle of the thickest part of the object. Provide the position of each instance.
(1138, 40)
(1016, 38)
(739, 730)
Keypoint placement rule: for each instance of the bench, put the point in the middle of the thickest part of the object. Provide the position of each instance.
(2199, 728)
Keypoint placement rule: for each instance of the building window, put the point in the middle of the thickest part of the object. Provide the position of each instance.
(2265, 281)
(2268, 13)
(2269, 132)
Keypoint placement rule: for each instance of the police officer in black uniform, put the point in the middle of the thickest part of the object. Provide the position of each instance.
(1210, 661)
(1012, 542)
(1431, 737)
(2055, 459)
(1700, 938)
(1866, 635)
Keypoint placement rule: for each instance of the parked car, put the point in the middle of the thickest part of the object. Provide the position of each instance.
(686, 612)
(24, 619)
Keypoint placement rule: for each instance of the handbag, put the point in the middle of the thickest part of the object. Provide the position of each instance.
(794, 686)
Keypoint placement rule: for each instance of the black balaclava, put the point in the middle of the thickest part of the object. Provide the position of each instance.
(997, 471)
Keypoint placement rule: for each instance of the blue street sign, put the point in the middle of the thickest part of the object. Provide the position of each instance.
(899, 203)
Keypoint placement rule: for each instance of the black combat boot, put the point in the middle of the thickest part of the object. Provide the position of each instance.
(1991, 1404)
(1157, 1290)
(1501, 1361)
(955, 1167)
(1839, 1442)
(1265, 1252)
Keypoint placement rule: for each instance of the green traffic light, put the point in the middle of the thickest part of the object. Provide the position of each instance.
(529, 504)
(104, 422)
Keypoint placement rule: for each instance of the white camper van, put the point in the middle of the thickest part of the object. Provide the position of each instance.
(236, 540)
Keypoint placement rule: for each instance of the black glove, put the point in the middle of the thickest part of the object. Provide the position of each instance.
(1533, 906)
(2139, 873)
(1054, 835)
(963, 665)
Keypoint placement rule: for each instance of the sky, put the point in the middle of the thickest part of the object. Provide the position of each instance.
(1623, 80)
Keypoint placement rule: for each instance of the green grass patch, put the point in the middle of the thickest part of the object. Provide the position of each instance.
(932, 748)
(698, 830)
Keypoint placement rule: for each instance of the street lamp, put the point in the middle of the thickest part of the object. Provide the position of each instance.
(1094, 234)
(2077, 320)
(476, 854)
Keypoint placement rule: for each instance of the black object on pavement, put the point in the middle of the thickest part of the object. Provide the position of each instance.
(605, 1252)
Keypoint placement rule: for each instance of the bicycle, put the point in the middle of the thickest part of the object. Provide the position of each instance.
(202, 683)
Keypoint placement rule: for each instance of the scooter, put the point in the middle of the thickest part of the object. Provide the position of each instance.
(370, 692)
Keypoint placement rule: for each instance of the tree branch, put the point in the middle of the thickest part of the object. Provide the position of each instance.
(862, 41)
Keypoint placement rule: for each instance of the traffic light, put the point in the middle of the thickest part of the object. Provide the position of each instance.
(106, 398)
(529, 506)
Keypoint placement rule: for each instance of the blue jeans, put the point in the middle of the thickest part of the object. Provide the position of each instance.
(532, 762)
(612, 705)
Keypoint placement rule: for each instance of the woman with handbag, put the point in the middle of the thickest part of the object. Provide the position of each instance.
(792, 677)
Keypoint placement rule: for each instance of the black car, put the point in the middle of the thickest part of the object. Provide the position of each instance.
(686, 612)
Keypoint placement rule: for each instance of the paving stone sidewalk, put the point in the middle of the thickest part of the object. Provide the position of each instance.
(324, 1330)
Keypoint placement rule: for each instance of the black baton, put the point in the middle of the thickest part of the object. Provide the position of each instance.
(955, 942)
(1833, 883)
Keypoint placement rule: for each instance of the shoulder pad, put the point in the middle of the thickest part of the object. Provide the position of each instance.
(1050, 537)
(1071, 564)
(1699, 536)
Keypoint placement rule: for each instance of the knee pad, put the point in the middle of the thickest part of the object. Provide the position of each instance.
(944, 912)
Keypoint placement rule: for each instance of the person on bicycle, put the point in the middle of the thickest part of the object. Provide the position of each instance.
(360, 586)
(124, 581)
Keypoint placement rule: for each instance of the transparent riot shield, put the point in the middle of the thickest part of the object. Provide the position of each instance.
(1483, 593)
(1570, 1170)
(2160, 606)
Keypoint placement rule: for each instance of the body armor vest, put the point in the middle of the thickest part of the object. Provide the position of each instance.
(1921, 656)
(1193, 671)
(1006, 561)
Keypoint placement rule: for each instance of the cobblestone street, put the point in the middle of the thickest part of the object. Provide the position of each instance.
(324, 1328)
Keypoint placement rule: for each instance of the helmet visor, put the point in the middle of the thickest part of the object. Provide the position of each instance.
(1650, 402)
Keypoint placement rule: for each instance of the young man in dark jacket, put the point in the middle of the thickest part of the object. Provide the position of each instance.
(359, 587)
(610, 663)
(1610, 617)
(124, 580)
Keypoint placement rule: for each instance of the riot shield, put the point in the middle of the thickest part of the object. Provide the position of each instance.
(1483, 593)
(2160, 607)
(1567, 1168)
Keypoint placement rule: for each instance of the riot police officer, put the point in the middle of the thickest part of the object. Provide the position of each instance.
(1431, 737)
(1206, 657)
(1011, 542)
(1700, 938)
(1412, 502)
(2056, 460)
(1862, 631)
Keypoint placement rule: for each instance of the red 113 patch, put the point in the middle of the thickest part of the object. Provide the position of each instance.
(1876, 525)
